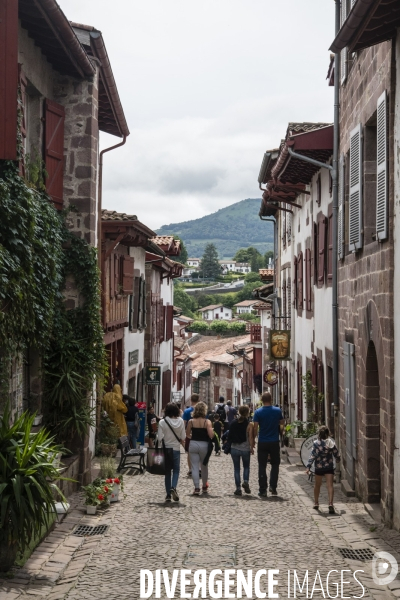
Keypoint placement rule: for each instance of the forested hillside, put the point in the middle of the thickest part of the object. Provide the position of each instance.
(236, 226)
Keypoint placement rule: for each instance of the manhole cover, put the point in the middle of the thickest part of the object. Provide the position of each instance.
(202, 555)
(359, 554)
(86, 530)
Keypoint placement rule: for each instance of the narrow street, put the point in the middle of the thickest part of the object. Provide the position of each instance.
(282, 532)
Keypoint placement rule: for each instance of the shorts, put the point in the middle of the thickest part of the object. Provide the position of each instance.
(322, 472)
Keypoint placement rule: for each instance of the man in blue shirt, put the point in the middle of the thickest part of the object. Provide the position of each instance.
(267, 421)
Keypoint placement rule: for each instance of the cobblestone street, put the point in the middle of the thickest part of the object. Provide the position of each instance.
(282, 532)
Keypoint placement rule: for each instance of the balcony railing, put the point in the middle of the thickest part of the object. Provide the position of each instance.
(117, 312)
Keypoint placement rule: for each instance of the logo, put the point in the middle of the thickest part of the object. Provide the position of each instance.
(381, 563)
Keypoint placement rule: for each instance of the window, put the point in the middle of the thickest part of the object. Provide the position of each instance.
(299, 391)
(284, 301)
(169, 318)
(382, 171)
(221, 309)
(229, 372)
(295, 282)
(308, 278)
(330, 244)
(355, 197)
(322, 225)
(216, 394)
(229, 394)
(54, 151)
(127, 274)
(300, 281)
(216, 370)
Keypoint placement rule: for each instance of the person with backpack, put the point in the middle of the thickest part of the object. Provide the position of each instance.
(171, 430)
(323, 452)
(241, 438)
(132, 419)
(218, 429)
(230, 414)
(268, 420)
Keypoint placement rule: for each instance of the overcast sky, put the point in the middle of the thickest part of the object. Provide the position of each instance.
(207, 86)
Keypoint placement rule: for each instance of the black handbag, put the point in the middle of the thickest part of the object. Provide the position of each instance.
(158, 459)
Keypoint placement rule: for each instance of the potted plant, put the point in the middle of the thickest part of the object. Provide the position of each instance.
(117, 485)
(107, 471)
(27, 484)
(93, 497)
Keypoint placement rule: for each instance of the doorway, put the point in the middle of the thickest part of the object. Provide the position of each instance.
(374, 458)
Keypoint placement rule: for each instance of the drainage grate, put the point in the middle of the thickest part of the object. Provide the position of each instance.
(223, 555)
(86, 530)
(359, 554)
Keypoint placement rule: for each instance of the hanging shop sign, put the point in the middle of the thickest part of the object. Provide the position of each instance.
(271, 377)
(153, 375)
(133, 357)
(279, 344)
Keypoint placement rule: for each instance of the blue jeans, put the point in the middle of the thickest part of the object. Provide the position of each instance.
(245, 456)
(174, 468)
(132, 433)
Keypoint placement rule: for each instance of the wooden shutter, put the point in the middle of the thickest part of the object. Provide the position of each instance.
(284, 227)
(308, 278)
(299, 391)
(166, 387)
(216, 370)
(117, 281)
(112, 275)
(179, 380)
(344, 52)
(300, 292)
(319, 190)
(229, 394)
(289, 302)
(382, 171)
(314, 370)
(8, 79)
(295, 283)
(315, 253)
(330, 244)
(321, 249)
(341, 212)
(170, 322)
(127, 274)
(216, 394)
(54, 150)
(163, 320)
(355, 201)
(143, 312)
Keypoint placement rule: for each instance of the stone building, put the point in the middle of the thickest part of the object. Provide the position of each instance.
(368, 41)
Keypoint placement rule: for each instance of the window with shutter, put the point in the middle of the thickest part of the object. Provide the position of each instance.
(284, 227)
(54, 150)
(127, 274)
(179, 380)
(308, 278)
(355, 199)
(169, 322)
(341, 212)
(330, 244)
(166, 387)
(8, 79)
(117, 280)
(216, 370)
(216, 394)
(381, 174)
(229, 394)
(289, 227)
(319, 190)
(321, 249)
(300, 292)
(112, 275)
(295, 283)
(314, 370)
(299, 391)
(315, 253)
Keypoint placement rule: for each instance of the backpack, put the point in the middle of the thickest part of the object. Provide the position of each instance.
(221, 412)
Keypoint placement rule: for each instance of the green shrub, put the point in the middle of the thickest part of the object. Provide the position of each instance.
(239, 328)
(199, 326)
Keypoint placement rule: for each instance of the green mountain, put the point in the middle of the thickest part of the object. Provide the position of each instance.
(236, 226)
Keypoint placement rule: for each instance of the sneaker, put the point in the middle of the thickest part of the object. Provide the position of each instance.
(246, 487)
(205, 488)
(273, 491)
(168, 498)
(174, 494)
(196, 492)
(262, 494)
(238, 492)
(189, 473)
(331, 510)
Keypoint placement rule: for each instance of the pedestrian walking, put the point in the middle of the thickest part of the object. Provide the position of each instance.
(230, 414)
(200, 432)
(171, 430)
(152, 424)
(132, 420)
(267, 421)
(241, 437)
(218, 429)
(187, 415)
(322, 453)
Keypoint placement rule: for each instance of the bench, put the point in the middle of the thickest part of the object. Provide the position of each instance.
(130, 459)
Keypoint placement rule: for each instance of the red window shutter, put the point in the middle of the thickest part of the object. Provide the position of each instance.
(216, 394)
(314, 370)
(320, 378)
(300, 292)
(166, 387)
(330, 244)
(162, 324)
(170, 322)
(295, 294)
(308, 278)
(315, 257)
(22, 85)
(179, 380)
(321, 249)
(299, 391)
(216, 369)
(128, 265)
(8, 79)
(54, 150)
(229, 394)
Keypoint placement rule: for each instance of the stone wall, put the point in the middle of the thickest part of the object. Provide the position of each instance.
(365, 289)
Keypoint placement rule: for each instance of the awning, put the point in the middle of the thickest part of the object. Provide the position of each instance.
(369, 22)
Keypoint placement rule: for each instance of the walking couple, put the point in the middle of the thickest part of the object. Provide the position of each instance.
(266, 423)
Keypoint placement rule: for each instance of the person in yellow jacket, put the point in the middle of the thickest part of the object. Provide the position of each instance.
(115, 408)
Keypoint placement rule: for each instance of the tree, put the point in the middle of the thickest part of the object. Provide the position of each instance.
(209, 263)
(246, 293)
(184, 253)
(250, 255)
(251, 277)
(184, 301)
(269, 254)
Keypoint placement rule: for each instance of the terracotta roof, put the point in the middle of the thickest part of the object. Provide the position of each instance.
(264, 290)
(246, 303)
(266, 274)
(178, 342)
(163, 239)
(169, 244)
(183, 318)
(225, 359)
(209, 346)
(212, 307)
(113, 215)
(242, 264)
(263, 306)
(194, 258)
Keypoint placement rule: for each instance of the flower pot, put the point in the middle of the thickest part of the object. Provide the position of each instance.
(115, 492)
(91, 510)
(37, 420)
(109, 449)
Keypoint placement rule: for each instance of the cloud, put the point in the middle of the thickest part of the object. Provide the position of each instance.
(180, 181)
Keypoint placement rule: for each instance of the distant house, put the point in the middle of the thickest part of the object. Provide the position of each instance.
(243, 268)
(227, 265)
(216, 311)
(193, 262)
(245, 307)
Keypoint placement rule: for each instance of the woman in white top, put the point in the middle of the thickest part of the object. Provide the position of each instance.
(171, 429)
